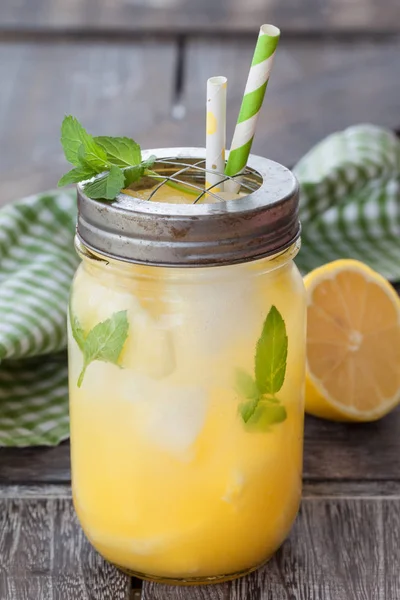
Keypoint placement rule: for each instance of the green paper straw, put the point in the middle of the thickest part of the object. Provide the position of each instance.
(251, 104)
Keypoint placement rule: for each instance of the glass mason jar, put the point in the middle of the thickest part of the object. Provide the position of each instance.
(187, 361)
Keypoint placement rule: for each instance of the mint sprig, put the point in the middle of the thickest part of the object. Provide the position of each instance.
(73, 136)
(121, 151)
(117, 160)
(106, 186)
(104, 342)
(262, 408)
(75, 176)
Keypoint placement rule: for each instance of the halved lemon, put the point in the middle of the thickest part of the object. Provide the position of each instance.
(353, 343)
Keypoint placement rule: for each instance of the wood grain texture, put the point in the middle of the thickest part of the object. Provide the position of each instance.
(188, 16)
(35, 465)
(338, 549)
(44, 555)
(156, 591)
(119, 88)
(350, 488)
(364, 451)
(391, 549)
(35, 491)
(332, 554)
(316, 88)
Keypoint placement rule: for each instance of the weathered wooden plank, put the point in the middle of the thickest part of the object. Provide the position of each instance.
(80, 572)
(35, 465)
(156, 591)
(316, 88)
(187, 16)
(119, 88)
(44, 555)
(351, 489)
(338, 550)
(334, 553)
(25, 588)
(391, 549)
(352, 451)
(35, 491)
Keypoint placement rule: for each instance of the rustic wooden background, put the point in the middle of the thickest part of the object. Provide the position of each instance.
(139, 67)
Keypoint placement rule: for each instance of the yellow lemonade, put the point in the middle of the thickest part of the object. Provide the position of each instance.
(187, 325)
(185, 466)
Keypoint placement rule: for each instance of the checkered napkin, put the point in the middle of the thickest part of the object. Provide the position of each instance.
(37, 262)
(350, 200)
(350, 207)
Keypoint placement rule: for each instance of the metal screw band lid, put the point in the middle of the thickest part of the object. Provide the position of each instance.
(259, 224)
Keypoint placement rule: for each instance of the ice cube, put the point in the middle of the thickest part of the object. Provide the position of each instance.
(164, 414)
(149, 347)
(94, 300)
(214, 314)
(172, 416)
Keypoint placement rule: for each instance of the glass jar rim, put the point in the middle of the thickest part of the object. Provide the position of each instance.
(115, 266)
(253, 226)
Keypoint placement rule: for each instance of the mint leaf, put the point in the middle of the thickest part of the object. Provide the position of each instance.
(247, 409)
(117, 159)
(262, 408)
(107, 186)
(245, 385)
(265, 415)
(261, 413)
(133, 174)
(73, 136)
(271, 354)
(75, 176)
(105, 341)
(93, 157)
(120, 151)
(76, 329)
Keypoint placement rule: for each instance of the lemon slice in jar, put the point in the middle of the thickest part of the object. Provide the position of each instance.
(353, 343)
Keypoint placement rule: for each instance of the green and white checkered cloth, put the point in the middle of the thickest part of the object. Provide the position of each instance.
(350, 200)
(350, 207)
(37, 262)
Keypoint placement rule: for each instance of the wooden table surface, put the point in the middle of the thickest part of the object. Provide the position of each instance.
(345, 544)
(139, 68)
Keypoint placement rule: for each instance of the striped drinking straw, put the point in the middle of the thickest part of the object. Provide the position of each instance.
(251, 104)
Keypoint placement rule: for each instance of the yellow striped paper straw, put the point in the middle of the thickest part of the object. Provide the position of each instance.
(254, 93)
(216, 132)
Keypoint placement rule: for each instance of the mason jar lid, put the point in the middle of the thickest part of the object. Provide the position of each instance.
(261, 223)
